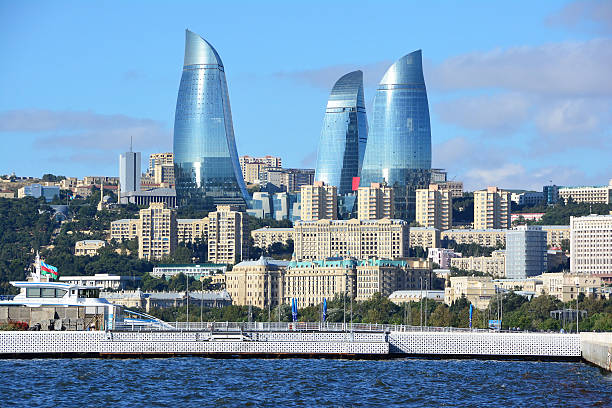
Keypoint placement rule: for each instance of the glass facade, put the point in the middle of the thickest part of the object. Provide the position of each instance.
(399, 141)
(344, 134)
(206, 163)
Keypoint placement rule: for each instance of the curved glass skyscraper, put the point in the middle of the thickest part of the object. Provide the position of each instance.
(344, 134)
(399, 143)
(206, 163)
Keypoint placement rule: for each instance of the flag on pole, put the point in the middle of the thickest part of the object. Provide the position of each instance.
(48, 270)
(471, 311)
(324, 309)
(294, 309)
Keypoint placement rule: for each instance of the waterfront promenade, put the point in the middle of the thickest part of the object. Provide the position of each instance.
(292, 340)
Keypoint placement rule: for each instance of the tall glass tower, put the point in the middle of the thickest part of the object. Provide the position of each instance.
(344, 134)
(399, 143)
(206, 163)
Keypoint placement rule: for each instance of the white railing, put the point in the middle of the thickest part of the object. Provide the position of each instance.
(292, 327)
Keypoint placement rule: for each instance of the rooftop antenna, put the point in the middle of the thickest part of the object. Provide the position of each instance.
(131, 144)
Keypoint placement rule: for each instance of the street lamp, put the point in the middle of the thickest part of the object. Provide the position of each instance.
(577, 282)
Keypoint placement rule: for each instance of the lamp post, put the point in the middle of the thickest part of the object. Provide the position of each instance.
(187, 295)
(577, 282)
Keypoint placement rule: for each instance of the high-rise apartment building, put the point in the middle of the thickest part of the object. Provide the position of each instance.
(344, 134)
(289, 180)
(491, 209)
(161, 159)
(227, 235)
(157, 232)
(456, 187)
(375, 202)
(526, 252)
(254, 168)
(591, 244)
(434, 207)
(192, 230)
(129, 172)
(205, 156)
(386, 238)
(256, 283)
(399, 140)
(319, 202)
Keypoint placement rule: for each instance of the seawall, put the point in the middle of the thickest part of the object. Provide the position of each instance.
(597, 349)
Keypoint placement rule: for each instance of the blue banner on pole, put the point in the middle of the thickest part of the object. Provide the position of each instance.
(294, 309)
(324, 309)
(471, 312)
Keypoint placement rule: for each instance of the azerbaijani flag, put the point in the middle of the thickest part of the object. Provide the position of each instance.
(49, 270)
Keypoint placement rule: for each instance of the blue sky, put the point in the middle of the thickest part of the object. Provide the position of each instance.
(520, 92)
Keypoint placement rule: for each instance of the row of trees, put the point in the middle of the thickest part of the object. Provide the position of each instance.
(518, 313)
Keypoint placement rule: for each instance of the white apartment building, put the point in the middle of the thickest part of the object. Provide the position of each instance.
(591, 244)
(434, 207)
(588, 194)
(88, 247)
(157, 232)
(318, 202)
(386, 239)
(491, 208)
(375, 202)
(227, 235)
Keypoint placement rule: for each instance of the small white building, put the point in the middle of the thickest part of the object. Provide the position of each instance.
(404, 296)
(88, 247)
(101, 280)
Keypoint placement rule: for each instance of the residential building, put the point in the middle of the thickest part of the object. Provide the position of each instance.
(494, 265)
(424, 237)
(386, 238)
(227, 235)
(266, 236)
(279, 206)
(129, 172)
(526, 252)
(160, 159)
(205, 156)
(375, 202)
(196, 271)
(556, 234)
(166, 196)
(256, 283)
(528, 285)
(344, 134)
(318, 202)
(192, 230)
(125, 229)
(438, 176)
(491, 209)
(289, 180)
(254, 168)
(38, 190)
(88, 247)
(455, 187)
(489, 237)
(103, 281)
(527, 198)
(442, 256)
(591, 244)
(478, 290)
(399, 141)
(551, 194)
(309, 282)
(157, 233)
(566, 286)
(97, 180)
(434, 207)
(387, 276)
(587, 194)
(7, 194)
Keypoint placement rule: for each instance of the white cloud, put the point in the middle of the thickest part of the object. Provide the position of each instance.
(592, 15)
(499, 113)
(80, 130)
(574, 117)
(568, 68)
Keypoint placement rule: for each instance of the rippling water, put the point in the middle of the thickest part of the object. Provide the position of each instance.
(186, 382)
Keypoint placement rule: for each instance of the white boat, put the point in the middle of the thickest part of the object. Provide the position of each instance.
(39, 291)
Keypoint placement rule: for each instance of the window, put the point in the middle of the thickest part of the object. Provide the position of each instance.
(33, 292)
(47, 292)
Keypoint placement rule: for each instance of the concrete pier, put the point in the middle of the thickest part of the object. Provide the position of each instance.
(597, 349)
